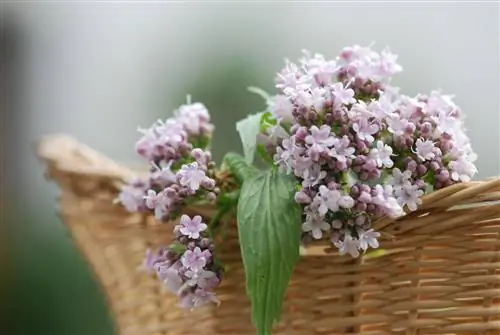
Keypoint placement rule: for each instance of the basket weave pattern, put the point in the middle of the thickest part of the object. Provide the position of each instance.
(439, 273)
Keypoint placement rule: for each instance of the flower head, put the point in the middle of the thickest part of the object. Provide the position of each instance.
(196, 259)
(348, 246)
(382, 154)
(192, 228)
(191, 175)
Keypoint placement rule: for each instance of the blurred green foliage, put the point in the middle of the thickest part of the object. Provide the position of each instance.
(53, 291)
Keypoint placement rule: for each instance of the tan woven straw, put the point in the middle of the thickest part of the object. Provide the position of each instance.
(439, 272)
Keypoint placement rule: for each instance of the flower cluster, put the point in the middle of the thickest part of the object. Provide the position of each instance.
(359, 148)
(181, 173)
(180, 164)
(187, 268)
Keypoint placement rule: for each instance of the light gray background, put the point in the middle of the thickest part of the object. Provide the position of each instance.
(99, 71)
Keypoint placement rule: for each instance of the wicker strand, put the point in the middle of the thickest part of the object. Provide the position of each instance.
(438, 273)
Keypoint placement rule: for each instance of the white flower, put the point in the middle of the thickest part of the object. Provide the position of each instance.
(342, 95)
(385, 199)
(291, 80)
(316, 225)
(445, 123)
(312, 176)
(318, 98)
(304, 98)
(348, 246)
(462, 169)
(382, 107)
(396, 124)
(426, 150)
(365, 129)
(409, 195)
(359, 109)
(398, 178)
(341, 149)
(388, 64)
(327, 199)
(368, 238)
(318, 67)
(382, 155)
(281, 106)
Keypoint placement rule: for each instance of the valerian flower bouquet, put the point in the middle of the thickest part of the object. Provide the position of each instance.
(342, 149)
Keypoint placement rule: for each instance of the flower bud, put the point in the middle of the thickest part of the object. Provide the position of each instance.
(421, 169)
(302, 198)
(204, 243)
(360, 207)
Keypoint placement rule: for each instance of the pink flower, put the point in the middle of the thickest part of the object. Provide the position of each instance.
(342, 150)
(348, 246)
(191, 175)
(462, 169)
(281, 106)
(426, 150)
(195, 259)
(194, 118)
(201, 278)
(382, 155)
(192, 227)
(327, 199)
(409, 195)
(342, 95)
(398, 178)
(365, 130)
(368, 238)
(170, 277)
(316, 225)
(132, 196)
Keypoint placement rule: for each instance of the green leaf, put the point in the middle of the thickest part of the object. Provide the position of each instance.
(269, 233)
(177, 248)
(238, 166)
(267, 120)
(375, 254)
(266, 157)
(248, 129)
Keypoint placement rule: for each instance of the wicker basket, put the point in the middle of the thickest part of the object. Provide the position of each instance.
(439, 273)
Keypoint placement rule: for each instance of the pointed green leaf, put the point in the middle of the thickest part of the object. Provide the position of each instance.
(248, 129)
(269, 232)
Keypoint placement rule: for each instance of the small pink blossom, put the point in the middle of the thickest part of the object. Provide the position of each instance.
(368, 238)
(192, 227)
(281, 106)
(365, 130)
(316, 225)
(195, 259)
(426, 150)
(409, 195)
(191, 175)
(342, 95)
(348, 246)
(462, 169)
(399, 178)
(382, 155)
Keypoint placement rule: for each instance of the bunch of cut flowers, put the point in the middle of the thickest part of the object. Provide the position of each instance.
(341, 147)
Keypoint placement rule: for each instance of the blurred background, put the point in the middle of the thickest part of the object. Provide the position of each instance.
(97, 71)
